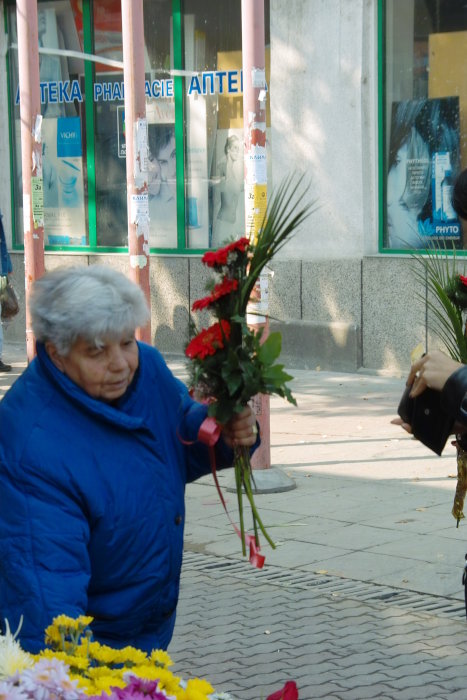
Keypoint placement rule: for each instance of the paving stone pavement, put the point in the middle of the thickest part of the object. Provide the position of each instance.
(249, 637)
(362, 596)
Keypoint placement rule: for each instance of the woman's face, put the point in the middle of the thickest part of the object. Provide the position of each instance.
(154, 176)
(104, 373)
(233, 150)
(397, 176)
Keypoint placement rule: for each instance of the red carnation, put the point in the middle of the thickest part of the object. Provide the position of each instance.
(288, 692)
(208, 341)
(463, 280)
(218, 258)
(220, 290)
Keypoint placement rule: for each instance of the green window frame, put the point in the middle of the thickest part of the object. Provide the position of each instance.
(405, 78)
(90, 119)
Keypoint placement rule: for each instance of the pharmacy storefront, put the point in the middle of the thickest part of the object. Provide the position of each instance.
(195, 125)
(368, 99)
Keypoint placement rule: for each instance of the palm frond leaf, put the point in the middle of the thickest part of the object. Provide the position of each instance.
(437, 269)
(288, 207)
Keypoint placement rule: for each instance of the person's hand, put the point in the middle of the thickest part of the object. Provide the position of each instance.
(432, 370)
(406, 426)
(241, 429)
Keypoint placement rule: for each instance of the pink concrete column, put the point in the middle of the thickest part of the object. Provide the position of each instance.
(31, 152)
(136, 130)
(254, 126)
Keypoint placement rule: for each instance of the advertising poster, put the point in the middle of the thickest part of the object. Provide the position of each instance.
(424, 161)
(107, 29)
(162, 186)
(62, 169)
(228, 187)
(60, 196)
(197, 214)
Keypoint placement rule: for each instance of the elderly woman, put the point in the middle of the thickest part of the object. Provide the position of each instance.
(97, 442)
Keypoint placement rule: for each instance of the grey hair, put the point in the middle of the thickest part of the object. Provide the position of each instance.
(92, 303)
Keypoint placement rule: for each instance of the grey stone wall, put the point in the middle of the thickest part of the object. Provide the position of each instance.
(334, 315)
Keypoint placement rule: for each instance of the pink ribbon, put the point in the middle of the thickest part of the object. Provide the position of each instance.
(209, 433)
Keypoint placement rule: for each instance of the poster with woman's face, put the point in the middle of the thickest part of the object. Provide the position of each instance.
(162, 186)
(228, 188)
(424, 161)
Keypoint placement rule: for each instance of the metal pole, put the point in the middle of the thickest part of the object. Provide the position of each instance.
(136, 129)
(254, 127)
(31, 152)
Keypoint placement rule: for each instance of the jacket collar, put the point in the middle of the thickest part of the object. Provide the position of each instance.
(104, 411)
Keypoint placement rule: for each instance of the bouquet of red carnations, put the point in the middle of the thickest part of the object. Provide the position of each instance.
(232, 361)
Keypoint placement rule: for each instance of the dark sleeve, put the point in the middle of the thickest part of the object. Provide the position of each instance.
(454, 395)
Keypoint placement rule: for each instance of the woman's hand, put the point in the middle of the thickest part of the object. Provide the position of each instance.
(432, 370)
(406, 426)
(241, 430)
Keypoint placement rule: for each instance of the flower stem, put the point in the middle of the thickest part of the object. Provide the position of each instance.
(242, 466)
(238, 482)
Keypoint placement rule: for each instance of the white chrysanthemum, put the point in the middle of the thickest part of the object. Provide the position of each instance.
(12, 658)
(10, 691)
(49, 679)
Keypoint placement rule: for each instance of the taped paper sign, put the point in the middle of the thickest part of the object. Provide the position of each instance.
(37, 129)
(141, 152)
(142, 229)
(37, 195)
(256, 166)
(26, 213)
(256, 204)
(138, 261)
(258, 77)
(139, 210)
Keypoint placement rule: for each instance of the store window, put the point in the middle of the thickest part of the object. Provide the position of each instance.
(194, 113)
(424, 114)
(63, 156)
(214, 117)
(109, 127)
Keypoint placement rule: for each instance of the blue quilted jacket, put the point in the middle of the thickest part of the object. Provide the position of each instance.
(92, 502)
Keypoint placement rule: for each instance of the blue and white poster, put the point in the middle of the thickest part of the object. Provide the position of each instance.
(423, 163)
(62, 167)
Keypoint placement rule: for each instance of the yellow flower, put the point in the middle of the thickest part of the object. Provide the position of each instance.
(69, 659)
(131, 656)
(152, 673)
(83, 683)
(167, 679)
(102, 653)
(146, 671)
(179, 693)
(198, 689)
(101, 671)
(71, 623)
(161, 658)
(84, 621)
(82, 649)
(52, 635)
(104, 683)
